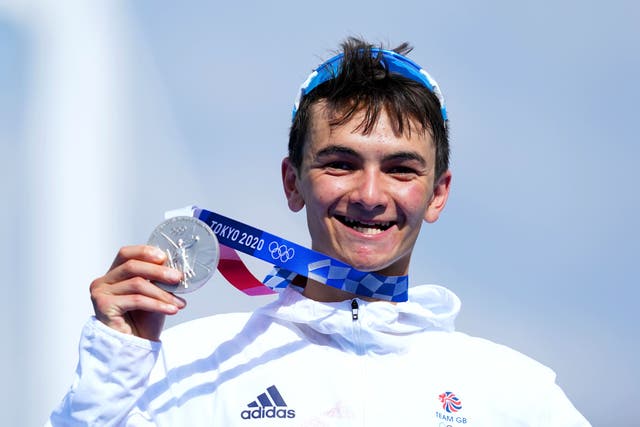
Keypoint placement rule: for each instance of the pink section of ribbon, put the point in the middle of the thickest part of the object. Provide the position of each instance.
(236, 273)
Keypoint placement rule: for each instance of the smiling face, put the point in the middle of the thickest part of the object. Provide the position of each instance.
(366, 195)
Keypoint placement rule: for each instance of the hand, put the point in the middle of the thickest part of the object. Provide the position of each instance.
(126, 300)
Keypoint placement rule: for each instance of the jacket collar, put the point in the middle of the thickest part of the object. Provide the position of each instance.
(381, 327)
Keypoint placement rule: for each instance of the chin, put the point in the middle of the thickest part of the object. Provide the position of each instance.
(371, 265)
(397, 266)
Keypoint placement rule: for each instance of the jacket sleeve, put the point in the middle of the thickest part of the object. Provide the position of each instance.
(560, 411)
(112, 373)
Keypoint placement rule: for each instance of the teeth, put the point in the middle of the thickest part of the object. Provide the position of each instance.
(368, 230)
(366, 227)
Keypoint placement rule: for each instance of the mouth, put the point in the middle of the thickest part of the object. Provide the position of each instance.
(365, 227)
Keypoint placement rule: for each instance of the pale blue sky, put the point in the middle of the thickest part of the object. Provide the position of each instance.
(540, 237)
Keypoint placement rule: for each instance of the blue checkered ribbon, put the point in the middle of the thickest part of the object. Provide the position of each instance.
(291, 259)
(389, 288)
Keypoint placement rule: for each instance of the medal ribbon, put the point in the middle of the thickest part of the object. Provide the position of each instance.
(290, 260)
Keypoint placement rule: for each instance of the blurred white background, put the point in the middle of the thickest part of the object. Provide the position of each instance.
(112, 112)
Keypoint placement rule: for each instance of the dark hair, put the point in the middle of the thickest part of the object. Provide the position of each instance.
(364, 84)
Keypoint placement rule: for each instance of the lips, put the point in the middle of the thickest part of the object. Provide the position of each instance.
(365, 227)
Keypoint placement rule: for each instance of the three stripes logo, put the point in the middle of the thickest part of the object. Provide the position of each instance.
(268, 405)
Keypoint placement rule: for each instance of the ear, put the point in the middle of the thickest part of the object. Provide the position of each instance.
(439, 197)
(290, 185)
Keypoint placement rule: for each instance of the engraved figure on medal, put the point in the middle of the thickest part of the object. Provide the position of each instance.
(191, 247)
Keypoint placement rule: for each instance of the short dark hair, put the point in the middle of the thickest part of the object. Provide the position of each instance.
(364, 84)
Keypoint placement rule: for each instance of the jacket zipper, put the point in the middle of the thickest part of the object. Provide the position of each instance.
(355, 316)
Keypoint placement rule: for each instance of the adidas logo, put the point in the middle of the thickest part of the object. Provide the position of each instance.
(268, 405)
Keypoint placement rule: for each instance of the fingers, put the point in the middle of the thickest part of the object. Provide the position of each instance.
(125, 297)
(133, 302)
(148, 270)
(139, 286)
(141, 261)
(140, 252)
(115, 299)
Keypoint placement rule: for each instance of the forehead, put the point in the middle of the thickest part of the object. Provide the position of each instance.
(328, 127)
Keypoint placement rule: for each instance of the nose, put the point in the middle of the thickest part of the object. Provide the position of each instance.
(369, 190)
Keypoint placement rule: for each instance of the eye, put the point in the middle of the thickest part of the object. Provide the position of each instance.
(339, 165)
(402, 170)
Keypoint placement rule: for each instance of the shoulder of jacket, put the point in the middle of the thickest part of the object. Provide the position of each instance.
(493, 357)
(218, 327)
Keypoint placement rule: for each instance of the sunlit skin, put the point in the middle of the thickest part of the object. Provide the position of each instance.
(366, 195)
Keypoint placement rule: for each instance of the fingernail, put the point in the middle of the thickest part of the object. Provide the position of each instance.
(171, 308)
(173, 275)
(158, 253)
(178, 302)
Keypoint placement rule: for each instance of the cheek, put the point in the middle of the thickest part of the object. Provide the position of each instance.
(414, 200)
(326, 191)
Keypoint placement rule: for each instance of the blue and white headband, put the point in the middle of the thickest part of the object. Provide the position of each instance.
(392, 61)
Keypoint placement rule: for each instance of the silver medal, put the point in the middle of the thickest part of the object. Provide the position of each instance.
(191, 247)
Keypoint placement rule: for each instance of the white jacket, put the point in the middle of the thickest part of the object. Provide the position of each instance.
(298, 362)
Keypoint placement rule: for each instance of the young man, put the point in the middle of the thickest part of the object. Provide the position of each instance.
(368, 159)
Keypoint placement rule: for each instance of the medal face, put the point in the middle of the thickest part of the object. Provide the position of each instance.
(191, 247)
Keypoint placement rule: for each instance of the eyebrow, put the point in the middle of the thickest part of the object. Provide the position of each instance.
(336, 149)
(399, 156)
(406, 155)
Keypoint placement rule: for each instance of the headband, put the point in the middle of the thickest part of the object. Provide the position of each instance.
(392, 61)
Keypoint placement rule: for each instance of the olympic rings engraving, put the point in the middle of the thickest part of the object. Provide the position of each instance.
(281, 252)
(178, 229)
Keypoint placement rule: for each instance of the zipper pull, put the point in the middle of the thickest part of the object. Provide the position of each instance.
(354, 309)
